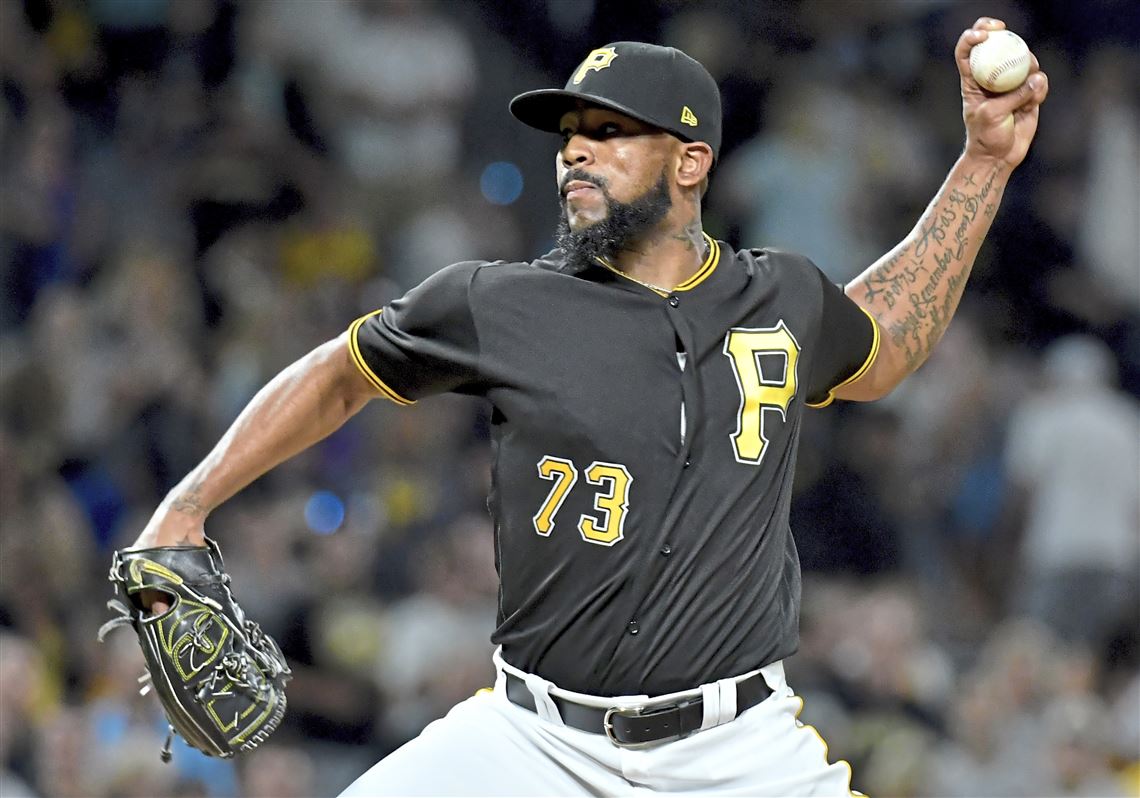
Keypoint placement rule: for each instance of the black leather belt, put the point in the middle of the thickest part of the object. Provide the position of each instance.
(641, 725)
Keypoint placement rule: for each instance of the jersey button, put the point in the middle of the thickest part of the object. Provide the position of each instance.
(688, 462)
(666, 550)
(674, 301)
(634, 627)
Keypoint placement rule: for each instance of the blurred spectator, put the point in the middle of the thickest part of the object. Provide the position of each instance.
(1124, 733)
(393, 80)
(995, 747)
(1111, 204)
(1079, 749)
(1075, 452)
(332, 634)
(794, 186)
(21, 672)
(38, 192)
(278, 772)
(944, 483)
(436, 649)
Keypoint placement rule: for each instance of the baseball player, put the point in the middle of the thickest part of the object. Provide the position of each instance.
(648, 385)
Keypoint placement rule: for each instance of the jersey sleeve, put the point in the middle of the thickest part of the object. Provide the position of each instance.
(423, 343)
(847, 345)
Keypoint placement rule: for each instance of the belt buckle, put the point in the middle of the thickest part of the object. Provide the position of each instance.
(625, 712)
(640, 711)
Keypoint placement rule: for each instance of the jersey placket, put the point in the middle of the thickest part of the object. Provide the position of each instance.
(656, 555)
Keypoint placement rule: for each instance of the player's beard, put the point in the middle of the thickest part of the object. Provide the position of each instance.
(624, 224)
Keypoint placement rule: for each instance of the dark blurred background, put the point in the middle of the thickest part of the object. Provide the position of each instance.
(197, 192)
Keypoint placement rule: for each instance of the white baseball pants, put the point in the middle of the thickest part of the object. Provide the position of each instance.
(487, 746)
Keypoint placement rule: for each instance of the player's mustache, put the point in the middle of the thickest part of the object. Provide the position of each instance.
(581, 174)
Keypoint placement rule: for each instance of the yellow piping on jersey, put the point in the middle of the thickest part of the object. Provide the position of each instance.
(818, 736)
(369, 374)
(707, 268)
(875, 336)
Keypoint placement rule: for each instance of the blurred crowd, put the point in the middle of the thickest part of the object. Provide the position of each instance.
(194, 193)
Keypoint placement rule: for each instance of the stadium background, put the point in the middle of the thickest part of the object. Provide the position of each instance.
(196, 192)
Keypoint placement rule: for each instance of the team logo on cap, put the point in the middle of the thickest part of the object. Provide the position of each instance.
(595, 62)
(688, 117)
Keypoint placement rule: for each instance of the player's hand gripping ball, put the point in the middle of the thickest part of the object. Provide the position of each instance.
(1000, 63)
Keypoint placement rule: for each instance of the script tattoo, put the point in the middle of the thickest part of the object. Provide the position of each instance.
(915, 292)
(891, 280)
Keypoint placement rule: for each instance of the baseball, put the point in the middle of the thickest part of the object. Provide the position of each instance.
(1001, 62)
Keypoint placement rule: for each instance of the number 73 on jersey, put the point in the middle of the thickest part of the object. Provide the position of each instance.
(758, 392)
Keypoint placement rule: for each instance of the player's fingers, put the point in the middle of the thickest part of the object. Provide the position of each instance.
(1038, 82)
(154, 601)
(988, 23)
(1031, 92)
(970, 38)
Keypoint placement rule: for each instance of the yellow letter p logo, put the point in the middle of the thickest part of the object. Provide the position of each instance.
(596, 61)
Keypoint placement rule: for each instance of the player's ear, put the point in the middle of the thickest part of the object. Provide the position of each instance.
(694, 161)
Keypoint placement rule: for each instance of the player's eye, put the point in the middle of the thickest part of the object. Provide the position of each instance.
(608, 129)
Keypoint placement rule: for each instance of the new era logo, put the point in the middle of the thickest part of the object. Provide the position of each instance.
(688, 117)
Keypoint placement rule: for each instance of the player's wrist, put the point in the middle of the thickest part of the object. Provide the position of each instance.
(170, 527)
(976, 159)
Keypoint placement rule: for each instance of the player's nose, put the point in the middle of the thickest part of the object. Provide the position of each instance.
(577, 151)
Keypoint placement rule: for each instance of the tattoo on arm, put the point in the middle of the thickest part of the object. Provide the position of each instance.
(914, 293)
(190, 502)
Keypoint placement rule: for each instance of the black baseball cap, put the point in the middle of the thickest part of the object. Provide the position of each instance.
(658, 85)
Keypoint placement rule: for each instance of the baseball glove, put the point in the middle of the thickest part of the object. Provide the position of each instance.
(221, 680)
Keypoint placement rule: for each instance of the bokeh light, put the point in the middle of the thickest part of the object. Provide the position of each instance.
(324, 512)
(501, 183)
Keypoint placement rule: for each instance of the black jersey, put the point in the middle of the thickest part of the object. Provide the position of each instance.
(644, 447)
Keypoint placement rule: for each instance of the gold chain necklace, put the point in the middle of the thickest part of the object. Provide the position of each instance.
(655, 288)
(650, 286)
